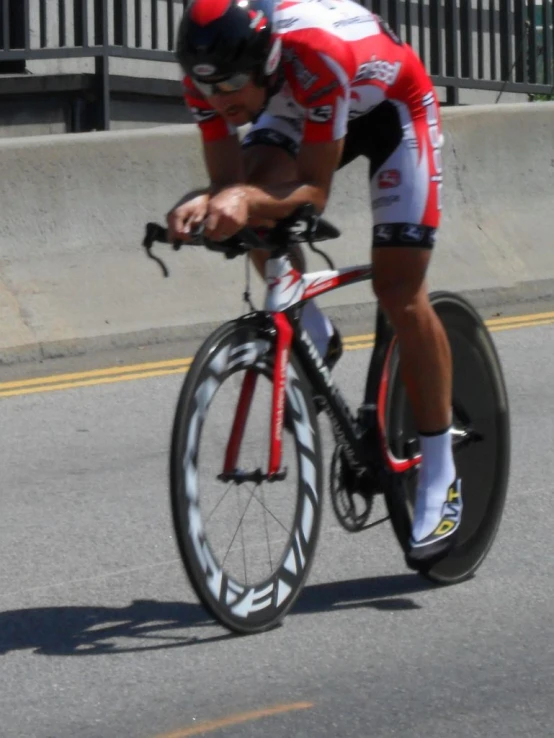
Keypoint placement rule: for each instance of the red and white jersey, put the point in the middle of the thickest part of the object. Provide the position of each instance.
(340, 61)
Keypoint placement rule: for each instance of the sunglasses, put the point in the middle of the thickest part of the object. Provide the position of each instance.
(234, 83)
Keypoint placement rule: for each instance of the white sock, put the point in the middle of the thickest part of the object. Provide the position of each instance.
(436, 474)
(317, 325)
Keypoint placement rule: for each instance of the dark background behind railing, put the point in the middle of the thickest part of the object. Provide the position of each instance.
(501, 46)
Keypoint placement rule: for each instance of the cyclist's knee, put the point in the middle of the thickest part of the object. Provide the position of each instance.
(403, 296)
(402, 303)
(399, 278)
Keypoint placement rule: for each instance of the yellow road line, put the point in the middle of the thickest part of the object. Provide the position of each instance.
(358, 346)
(494, 324)
(346, 340)
(519, 318)
(522, 324)
(90, 382)
(245, 717)
(114, 370)
(148, 370)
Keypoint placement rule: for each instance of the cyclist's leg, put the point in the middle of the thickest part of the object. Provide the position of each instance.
(405, 190)
(269, 152)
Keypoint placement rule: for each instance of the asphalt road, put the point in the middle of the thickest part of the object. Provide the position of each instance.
(101, 636)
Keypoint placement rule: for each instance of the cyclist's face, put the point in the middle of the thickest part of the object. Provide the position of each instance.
(239, 107)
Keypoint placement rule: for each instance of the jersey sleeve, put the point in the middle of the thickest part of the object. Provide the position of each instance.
(319, 71)
(212, 126)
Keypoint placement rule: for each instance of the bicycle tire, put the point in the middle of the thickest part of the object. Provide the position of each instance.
(241, 607)
(479, 391)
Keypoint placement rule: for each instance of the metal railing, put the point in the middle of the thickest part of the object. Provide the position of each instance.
(88, 28)
(42, 30)
(498, 45)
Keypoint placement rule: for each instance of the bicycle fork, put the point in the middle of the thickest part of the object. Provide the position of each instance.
(283, 343)
(285, 287)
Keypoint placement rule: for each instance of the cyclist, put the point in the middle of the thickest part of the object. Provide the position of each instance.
(322, 82)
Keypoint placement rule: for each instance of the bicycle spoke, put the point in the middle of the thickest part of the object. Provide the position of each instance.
(266, 508)
(242, 537)
(267, 533)
(238, 526)
(220, 501)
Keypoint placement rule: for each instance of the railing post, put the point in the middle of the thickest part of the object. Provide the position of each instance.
(480, 40)
(436, 26)
(506, 37)
(532, 45)
(394, 19)
(423, 53)
(466, 39)
(43, 23)
(451, 48)
(120, 21)
(102, 65)
(138, 23)
(154, 23)
(548, 37)
(61, 23)
(493, 29)
(13, 22)
(520, 30)
(171, 25)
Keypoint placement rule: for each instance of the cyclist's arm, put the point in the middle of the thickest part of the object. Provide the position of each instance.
(324, 128)
(316, 165)
(224, 162)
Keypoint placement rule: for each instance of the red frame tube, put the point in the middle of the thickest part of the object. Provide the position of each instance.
(239, 424)
(284, 338)
(396, 465)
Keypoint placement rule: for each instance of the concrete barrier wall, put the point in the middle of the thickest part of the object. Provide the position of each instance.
(72, 271)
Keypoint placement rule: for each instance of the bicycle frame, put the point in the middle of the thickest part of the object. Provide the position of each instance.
(287, 290)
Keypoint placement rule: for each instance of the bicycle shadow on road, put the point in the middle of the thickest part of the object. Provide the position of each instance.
(89, 630)
(381, 593)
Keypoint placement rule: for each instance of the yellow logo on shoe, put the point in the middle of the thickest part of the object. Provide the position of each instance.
(444, 527)
(453, 513)
(453, 495)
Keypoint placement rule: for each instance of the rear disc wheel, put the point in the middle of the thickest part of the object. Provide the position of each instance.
(481, 441)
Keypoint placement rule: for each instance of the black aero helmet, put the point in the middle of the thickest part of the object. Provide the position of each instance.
(220, 38)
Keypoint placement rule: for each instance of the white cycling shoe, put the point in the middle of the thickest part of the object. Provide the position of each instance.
(434, 530)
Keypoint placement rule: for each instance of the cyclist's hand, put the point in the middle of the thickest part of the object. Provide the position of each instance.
(227, 213)
(183, 218)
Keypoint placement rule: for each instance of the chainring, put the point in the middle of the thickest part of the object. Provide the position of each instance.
(352, 501)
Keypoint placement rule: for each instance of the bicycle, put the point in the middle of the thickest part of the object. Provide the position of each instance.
(376, 451)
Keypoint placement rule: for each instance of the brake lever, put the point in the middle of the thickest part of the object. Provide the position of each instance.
(155, 232)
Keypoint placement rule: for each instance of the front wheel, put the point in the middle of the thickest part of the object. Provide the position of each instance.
(247, 542)
(481, 440)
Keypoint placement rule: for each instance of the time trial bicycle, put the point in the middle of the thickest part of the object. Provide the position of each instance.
(246, 444)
